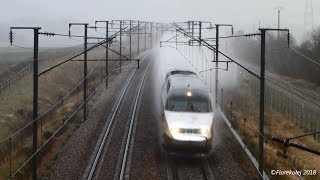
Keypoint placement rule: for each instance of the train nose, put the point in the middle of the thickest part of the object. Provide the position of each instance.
(187, 131)
(188, 140)
(187, 143)
(190, 134)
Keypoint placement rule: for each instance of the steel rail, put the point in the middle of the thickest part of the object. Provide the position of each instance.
(304, 91)
(106, 133)
(125, 155)
(206, 169)
(299, 93)
(172, 170)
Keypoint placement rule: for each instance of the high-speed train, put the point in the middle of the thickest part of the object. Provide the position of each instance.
(187, 120)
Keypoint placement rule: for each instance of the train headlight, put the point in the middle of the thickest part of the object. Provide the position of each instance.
(204, 131)
(174, 130)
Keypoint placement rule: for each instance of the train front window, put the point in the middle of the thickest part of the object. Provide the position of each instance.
(188, 104)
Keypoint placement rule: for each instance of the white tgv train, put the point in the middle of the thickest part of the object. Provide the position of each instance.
(187, 120)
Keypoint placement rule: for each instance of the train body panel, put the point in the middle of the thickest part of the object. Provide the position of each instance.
(187, 120)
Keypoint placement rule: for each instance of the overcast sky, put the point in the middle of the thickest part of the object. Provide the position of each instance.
(244, 14)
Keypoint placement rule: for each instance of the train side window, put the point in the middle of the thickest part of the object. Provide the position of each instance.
(168, 86)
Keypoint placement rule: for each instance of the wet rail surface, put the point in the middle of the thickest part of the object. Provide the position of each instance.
(112, 149)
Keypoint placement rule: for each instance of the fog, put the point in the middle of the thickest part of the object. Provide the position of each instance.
(54, 16)
(198, 60)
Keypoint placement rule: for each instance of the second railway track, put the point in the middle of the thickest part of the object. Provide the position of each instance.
(109, 158)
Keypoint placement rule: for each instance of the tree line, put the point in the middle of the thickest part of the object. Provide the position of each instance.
(279, 58)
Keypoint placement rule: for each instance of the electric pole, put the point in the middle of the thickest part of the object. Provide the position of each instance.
(130, 26)
(145, 35)
(262, 84)
(85, 65)
(279, 9)
(217, 59)
(217, 64)
(262, 97)
(138, 36)
(35, 96)
(35, 101)
(120, 55)
(107, 46)
(150, 34)
(308, 16)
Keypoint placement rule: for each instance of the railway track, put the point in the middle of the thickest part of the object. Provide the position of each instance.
(119, 126)
(185, 168)
(299, 92)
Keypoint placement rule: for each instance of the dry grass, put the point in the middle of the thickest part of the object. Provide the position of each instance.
(52, 150)
(16, 111)
(282, 111)
(278, 125)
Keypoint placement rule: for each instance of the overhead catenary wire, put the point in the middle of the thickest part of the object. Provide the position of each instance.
(234, 36)
(230, 59)
(22, 47)
(79, 54)
(247, 69)
(36, 149)
(15, 75)
(299, 95)
(67, 35)
(264, 137)
(60, 127)
(67, 120)
(87, 50)
(297, 52)
(214, 49)
(53, 106)
(53, 67)
(289, 161)
(272, 80)
(297, 89)
(268, 140)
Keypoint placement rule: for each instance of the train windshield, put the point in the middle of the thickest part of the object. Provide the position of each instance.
(187, 104)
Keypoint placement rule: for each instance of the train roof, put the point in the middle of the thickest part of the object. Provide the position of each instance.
(180, 72)
(182, 82)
